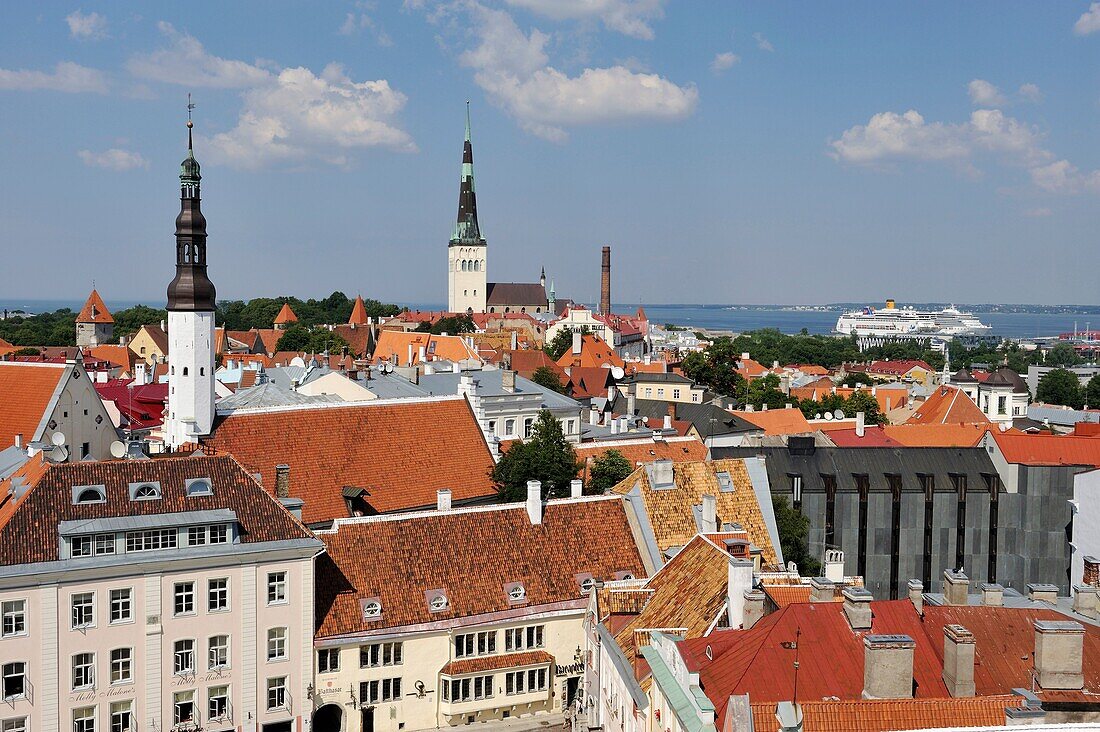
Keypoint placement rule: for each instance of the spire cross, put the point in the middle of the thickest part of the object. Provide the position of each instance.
(190, 106)
(467, 120)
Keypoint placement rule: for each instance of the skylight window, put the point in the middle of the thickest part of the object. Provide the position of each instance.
(517, 592)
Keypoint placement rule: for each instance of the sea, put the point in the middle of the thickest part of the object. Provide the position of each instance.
(735, 318)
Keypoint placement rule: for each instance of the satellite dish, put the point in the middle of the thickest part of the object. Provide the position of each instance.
(839, 414)
(58, 439)
(617, 372)
(59, 454)
(118, 448)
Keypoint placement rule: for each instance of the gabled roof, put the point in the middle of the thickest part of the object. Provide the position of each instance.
(396, 344)
(360, 338)
(26, 392)
(399, 452)
(358, 312)
(778, 421)
(595, 353)
(473, 555)
(879, 715)
(515, 293)
(1048, 449)
(937, 435)
(28, 527)
(637, 451)
(270, 338)
(586, 382)
(948, 405)
(286, 315)
(94, 311)
(120, 356)
(526, 362)
(157, 335)
(672, 511)
(897, 368)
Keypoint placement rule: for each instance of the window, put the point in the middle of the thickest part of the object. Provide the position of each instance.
(527, 423)
(184, 598)
(83, 671)
(84, 719)
(85, 447)
(17, 724)
(144, 541)
(14, 614)
(476, 644)
(276, 693)
(14, 679)
(144, 492)
(276, 644)
(122, 716)
(219, 534)
(518, 639)
(87, 546)
(675, 393)
(89, 494)
(492, 426)
(483, 687)
(509, 427)
(438, 603)
(1002, 405)
(372, 609)
(196, 535)
(381, 654)
(695, 396)
(660, 392)
(328, 660)
(380, 690)
(463, 690)
(198, 487)
(184, 704)
(122, 670)
(184, 656)
(522, 682)
(83, 609)
(217, 704)
(276, 587)
(517, 593)
(796, 488)
(218, 656)
(122, 607)
(217, 595)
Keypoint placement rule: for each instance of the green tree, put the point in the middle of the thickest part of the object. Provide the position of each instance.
(1060, 386)
(861, 400)
(27, 351)
(855, 378)
(454, 324)
(1062, 355)
(130, 320)
(608, 470)
(716, 366)
(764, 390)
(1092, 392)
(546, 377)
(546, 457)
(310, 340)
(794, 531)
(561, 343)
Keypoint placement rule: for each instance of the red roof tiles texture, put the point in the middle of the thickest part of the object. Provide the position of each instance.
(25, 392)
(881, 715)
(94, 311)
(1049, 449)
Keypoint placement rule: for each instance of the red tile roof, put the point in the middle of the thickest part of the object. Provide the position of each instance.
(526, 362)
(587, 382)
(28, 528)
(873, 436)
(778, 421)
(595, 352)
(94, 311)
(286, 315)
(399, 452)
(142, 406)
(880, 715)
(358, 312)
(948, 405)
(1042, 449)
(26, 390)
(395, 344)
(470, 554)
(120, 356)
(494, 663)
(784, 595)
(897, 368)
(638, 450)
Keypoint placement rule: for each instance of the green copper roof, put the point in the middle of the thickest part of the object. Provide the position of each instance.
(189, 168)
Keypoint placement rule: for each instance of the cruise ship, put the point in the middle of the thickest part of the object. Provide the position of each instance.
(907, 322)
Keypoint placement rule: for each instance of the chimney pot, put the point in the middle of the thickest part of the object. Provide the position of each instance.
(443, 499)
(710, 513)
(534, 501)
(1038, 592)
(1091, 574)
(916, 595)
(631, 404)
(576, 488)
(593, 416)
(888, 666)
(1085, 601)
(1059, 645)
(667, 424)
(822, 589)
(282, 481)
(956, 587)
(958, 660)
(857, 608)
(860, 423)
(19, 440)
(834, 565)
(993, 594)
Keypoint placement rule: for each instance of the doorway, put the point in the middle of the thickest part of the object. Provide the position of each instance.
(368, 719)
(572, 688)
(329, 718)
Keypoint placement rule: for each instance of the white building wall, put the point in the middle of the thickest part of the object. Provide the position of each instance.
(190, 377)
(466, 288)
(1086, 517)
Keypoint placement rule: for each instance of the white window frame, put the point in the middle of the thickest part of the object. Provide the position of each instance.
(86, 668)
(276, 685)
(183, 697)
(78, 624)
(121, 598)
(325, 658)
(181, 591)
(120, 664)
(277, 642)
(181, 651)
(13, 724)
(87, 716)
(119, 708)
(378, 655)
(219, 593)
(222, 648)
(12, 670)
(217, 692)
(14, 622)
(277, 583)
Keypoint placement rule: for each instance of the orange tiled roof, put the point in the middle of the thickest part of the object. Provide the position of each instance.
(526, 362)
(595, 352)
(937, 435)
(399, 452)
(1048, 449)
(948, 405)
(671, 513)
(778, 421)
(26, 390)
(395, 344)
(94, 311)
(646, 450)
(470, 554)
(286, 315)
(751, 369)
(783, 595)
(358, 312)
(120, 356)
(895, 714)
(494, 663)
(897, 368)
(270, 338)
(808, 368)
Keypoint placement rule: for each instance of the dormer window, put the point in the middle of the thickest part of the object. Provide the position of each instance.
(516, 593)
(89, 494)
(145, 491)
(372, 608)
(199, 487)
(437, 601)
(585, 582)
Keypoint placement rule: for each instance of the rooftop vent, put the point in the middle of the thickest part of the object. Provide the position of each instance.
(371, 607)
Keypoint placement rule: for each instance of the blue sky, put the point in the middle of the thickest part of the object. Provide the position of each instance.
(728, 152)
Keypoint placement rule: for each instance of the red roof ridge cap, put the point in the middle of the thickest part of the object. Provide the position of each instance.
(397, 401)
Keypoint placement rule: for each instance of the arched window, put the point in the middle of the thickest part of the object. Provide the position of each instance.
(372, 609)
(91, 494)
(185, 371)
(145, 492)
(477, 265)
(463, 265)
(202, 371)
(527, 423)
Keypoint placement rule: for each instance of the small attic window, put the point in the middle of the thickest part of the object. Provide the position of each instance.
(89, 494)
(372, 609)
(516, 592)
(145, 491)
(725, 482)
(438, 602)
(585, 582)
(624, 575)
(199, 487)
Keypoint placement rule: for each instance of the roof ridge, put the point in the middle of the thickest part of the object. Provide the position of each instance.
(397, 401)
(52, 364)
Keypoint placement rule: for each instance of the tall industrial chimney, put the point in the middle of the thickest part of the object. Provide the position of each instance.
(605, 282)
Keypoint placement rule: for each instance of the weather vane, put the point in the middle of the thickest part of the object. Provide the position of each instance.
(190, 106)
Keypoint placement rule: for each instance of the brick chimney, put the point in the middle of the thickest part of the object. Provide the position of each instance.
(958, 660)
(993, 594)
(1059, 647)
(534, 501)
(605, 282)
(282, 481)
(857, 608)
(1091, 575)
(443, 499)
(822, 590)
(956, 587)
(916, 595)
(508, 380)
(888, 666)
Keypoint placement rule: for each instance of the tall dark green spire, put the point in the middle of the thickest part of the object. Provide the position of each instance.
(466, 229)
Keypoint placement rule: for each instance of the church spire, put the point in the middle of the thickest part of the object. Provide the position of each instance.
(466, 229)
(191, 290)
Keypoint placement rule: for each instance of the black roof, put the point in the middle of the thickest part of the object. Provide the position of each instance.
(515, 293)
(709, 420)
(1005, 376)
(668, 377)
(802, 458)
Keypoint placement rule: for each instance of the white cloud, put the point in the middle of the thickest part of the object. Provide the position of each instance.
(301, 116)
(113, 159)
(66, 77)
(629, 17)
(513, 69)
(762, 43)
(187, 63)
(1062, 176)
(357, 22)
(1030, 93)
(723, 61)
(984, 94)
(90, 27)
(1089, 22)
